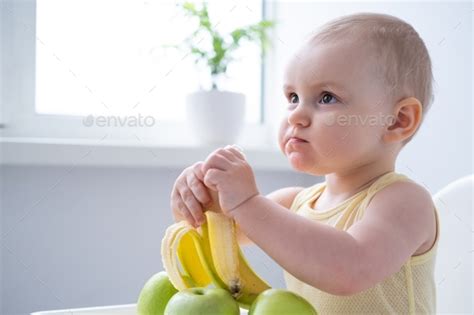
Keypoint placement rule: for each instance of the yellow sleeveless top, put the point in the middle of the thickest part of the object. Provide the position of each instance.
(411, 290)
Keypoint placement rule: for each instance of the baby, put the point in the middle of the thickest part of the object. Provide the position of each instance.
(363, 241)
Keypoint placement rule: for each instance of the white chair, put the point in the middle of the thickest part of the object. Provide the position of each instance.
(454, 270)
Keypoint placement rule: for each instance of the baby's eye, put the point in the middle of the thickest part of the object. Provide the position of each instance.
(293, 98)
(327, 97)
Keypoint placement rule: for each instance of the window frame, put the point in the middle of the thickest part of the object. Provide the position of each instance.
(20, 118)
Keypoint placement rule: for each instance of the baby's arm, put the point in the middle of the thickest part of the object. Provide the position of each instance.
(283, 196)
(397, 222)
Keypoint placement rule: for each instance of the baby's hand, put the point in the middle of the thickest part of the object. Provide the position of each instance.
(190, 196)
(227, 172)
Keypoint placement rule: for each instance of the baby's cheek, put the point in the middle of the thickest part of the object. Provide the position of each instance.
(360, 143)
(330, 126)
(342, 140)
(330, 139)
(281, 135)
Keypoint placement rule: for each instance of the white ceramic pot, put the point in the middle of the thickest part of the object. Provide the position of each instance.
(215, 117)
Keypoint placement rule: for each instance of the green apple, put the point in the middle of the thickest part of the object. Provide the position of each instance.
(202, 301)
(280, 301)
(156, 293)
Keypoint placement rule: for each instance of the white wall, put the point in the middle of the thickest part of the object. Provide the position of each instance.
(1, 121)
(2, 19)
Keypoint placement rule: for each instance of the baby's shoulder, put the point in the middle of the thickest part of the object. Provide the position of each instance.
(410, 190)
(404, 192)
(406, 203)
(285, 196)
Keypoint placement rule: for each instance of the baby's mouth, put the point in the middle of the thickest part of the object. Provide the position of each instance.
(295, 140)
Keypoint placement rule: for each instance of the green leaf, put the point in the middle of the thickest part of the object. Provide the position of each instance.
(219, 55)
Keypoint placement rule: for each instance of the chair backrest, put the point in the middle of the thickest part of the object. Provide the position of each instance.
(454, 270)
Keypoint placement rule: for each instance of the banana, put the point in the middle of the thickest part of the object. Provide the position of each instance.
(224, 250)
(169, 245)
(189, 256)
(210, 254)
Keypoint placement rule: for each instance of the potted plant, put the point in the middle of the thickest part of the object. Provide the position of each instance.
(216, 116)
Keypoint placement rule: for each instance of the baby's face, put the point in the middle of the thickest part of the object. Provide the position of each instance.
(336, 102)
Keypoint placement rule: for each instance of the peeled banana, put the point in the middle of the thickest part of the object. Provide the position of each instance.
(208, 255)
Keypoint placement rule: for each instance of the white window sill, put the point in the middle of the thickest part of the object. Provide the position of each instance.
(116, 153)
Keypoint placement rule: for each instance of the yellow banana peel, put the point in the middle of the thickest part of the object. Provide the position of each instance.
(208, 255)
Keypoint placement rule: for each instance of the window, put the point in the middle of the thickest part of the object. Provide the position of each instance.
(105, 58)
(66, 60)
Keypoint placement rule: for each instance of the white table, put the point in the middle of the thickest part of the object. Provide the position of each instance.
(129, 309)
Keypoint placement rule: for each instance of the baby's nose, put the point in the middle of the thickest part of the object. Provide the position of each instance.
(299, 116)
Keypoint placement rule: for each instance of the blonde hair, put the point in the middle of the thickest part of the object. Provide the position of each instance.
(402, 58)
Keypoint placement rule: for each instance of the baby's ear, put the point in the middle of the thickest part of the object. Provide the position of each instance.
(405, 121)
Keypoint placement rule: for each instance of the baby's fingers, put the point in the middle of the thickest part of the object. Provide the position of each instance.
(185, 213)
(238, 151)
(197, 170)
(191, 205)
(179, 208)
(198, 189)
(175, 201)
